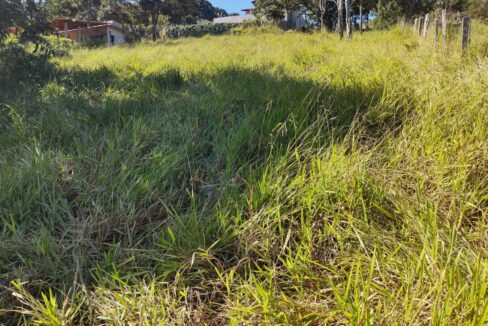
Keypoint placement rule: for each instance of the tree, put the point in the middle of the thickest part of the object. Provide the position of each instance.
(61, 8)
(361, 16)
(128, 13)
(153, 8)
(111, 10)
(35, 23)
(275, 9)
(191, 11)
(206, 11)
(25, 16)
(9, 16)
(340, 18)
(388, 13)
(459, 5)
(135, 18)
(219, 12)
(410, 8)
(478, 8)
(319, 8)
(348, 19)
(17, 61)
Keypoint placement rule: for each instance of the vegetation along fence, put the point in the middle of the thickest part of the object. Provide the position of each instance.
(424, 24)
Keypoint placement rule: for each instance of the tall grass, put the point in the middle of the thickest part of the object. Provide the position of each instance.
(265, 178)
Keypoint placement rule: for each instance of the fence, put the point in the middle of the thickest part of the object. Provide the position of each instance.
(424, 24)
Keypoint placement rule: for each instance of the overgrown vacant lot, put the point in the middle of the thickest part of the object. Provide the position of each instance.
(265, 178)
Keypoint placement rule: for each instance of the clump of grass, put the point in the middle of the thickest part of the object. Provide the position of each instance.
(264, 178)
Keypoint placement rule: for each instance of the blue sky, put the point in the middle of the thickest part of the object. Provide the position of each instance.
(232, 5)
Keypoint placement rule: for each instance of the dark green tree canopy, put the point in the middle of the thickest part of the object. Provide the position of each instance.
(27, 16)
(388, 10)
(9, 15)
(145, 17)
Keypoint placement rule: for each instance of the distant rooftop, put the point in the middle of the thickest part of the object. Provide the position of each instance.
(71, 23)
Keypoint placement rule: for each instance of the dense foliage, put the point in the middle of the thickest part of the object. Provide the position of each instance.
(199, 29)
(267, 179)
(20, 66)
(388, 10)
(388, 13)
(147, 13)
(145, 18)
(26, 18)
(24, 52)
(8, 16)
(176, 10)
(478, 8)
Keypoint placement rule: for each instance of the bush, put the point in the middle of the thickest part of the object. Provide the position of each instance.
(58, 46)
(255, 29)
(93, 43)
(478, 8)
(199, 30)
(388, 13)
(19, 65)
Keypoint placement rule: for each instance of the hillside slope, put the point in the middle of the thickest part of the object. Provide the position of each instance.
(265, 178)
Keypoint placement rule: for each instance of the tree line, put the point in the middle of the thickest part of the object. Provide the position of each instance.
(336, 13)
(141, 17)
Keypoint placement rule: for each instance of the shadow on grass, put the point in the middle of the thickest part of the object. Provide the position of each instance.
(147, 158)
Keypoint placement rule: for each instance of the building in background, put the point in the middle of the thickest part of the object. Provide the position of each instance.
(108, 32)
(294, 19)
(237, 19)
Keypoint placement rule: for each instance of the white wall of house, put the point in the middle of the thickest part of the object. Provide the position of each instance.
(234, 19)
(293, 19)
(118, 36)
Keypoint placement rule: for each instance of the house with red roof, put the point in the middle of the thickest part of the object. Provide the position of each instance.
(107, 32)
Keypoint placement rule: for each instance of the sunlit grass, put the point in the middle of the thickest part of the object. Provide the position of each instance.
(265, 178)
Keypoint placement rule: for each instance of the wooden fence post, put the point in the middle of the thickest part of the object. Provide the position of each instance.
(426, 25)
(466, 29)
(415, 22)
(444, 27)
(421, 23)
(436, 31)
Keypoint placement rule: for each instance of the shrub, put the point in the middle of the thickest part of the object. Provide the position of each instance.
(58, 46)
(478, 8)
(199, 30)
(388, 14)
(93, 43)
(19, 65)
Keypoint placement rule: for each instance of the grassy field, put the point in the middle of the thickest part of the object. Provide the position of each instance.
(264, 178)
